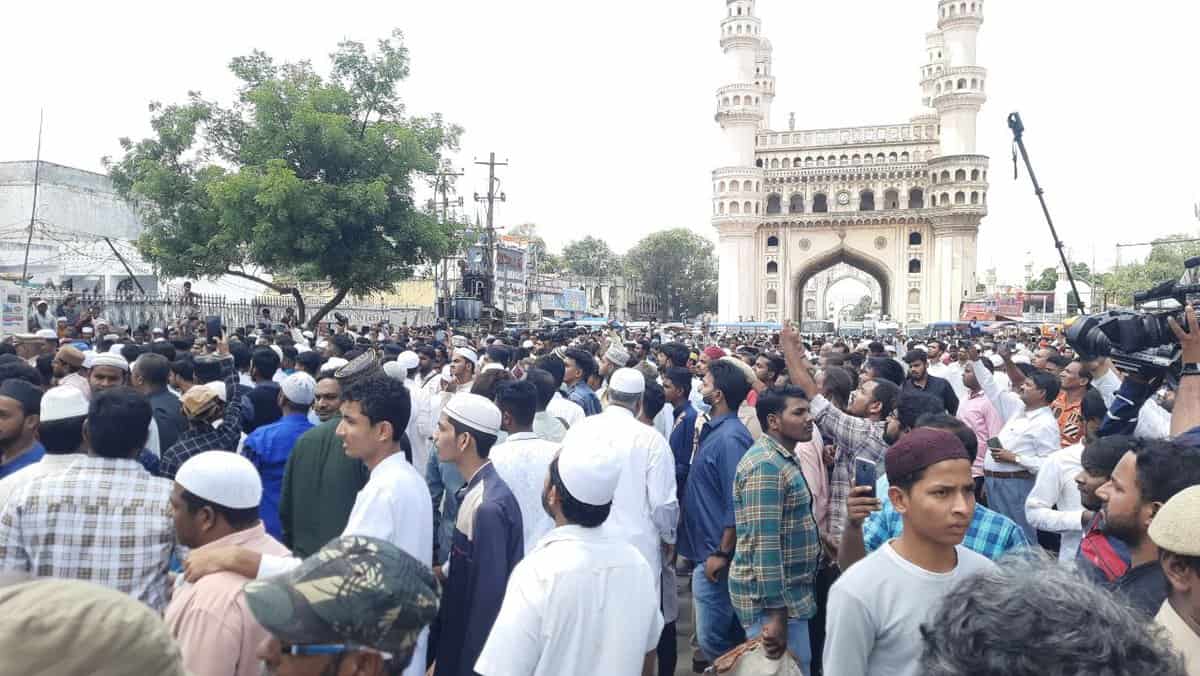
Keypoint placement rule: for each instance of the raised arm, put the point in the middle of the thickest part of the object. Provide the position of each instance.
(1186, 415)
(798, 366)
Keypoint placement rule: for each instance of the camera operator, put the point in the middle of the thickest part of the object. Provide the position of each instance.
(1185, 419)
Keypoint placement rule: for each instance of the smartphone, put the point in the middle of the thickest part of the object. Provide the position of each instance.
(994, 442)
(212, 326)
(864, 474)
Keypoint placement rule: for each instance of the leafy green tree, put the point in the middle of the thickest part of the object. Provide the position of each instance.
(547, 263)
(679, 269)
(1046, 281)
(861, 309)
(304, 177)
(1165, 262)
(591, 257)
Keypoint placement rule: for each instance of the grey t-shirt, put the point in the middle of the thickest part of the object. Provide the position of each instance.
(876, 609)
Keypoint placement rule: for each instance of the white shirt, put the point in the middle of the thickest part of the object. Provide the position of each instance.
(523, 461)
(396, 506)
(953, 374)
(51, 463)
(1056, 486)
(1107, 385)
(567, 410)
(582, 602)
(420, 423)
(1154, 421)
(1032, 436)
(665, 420)
(645, 506)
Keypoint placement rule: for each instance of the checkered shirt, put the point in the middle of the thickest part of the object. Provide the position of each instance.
(102, 520)
(852, 437)
(778, 547)
(202, 437)
(990, 533)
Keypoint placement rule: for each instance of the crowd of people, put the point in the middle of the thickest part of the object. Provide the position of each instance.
(392, 500)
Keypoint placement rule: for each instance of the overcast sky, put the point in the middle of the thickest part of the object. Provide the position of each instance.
(605, 110)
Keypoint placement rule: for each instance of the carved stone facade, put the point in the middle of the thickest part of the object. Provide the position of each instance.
(901, 203)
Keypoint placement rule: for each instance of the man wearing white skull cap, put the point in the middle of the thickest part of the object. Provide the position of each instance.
(645, 508)
(582, 570)
(215, 501)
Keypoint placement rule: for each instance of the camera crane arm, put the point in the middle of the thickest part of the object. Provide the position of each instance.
(1018, 130)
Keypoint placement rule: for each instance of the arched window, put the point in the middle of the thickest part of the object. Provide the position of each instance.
(758, 163)
(787, 163)
(820, 161)
(962, 83)
(772, 268)
(945, 199)
(721, 186)
(892, 158)
(974, 174)
(845, 160)
(856, 160)
(775, 164)
(914, 267)
(937, 90)
(866, 201)
(933, 200)
(720, 208)
(772, 297)
(756, 188)
(746, 207)
(916, 198)
(756, 204)
(820, 203)
(960, 197)
(891, 199)
(808, 162)
(735, 208)
(796, 163)
(737, 100)
(810, 308)
(914, 296)
(960, 175)
(772, 242)
(974, 198)
(914, 239)
(945, 178)
(869, 159)
(904, 157)
(879, 159)
(774, 204)
(796, 205)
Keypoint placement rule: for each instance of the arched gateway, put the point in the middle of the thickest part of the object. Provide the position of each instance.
(788, 204)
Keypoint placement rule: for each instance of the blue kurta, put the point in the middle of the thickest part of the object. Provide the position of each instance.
(487, 545)
(269, 448)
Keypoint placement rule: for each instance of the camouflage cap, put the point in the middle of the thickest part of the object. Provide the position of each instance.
(365, 364)
(356, 589)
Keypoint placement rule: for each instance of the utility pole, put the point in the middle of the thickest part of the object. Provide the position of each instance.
(440, 185)
(489, 256)
(37, 175)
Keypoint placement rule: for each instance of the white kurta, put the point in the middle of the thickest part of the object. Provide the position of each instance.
(567, 410)
(395, 505)
(420, 423)
(523, 461)
(1054, 504)
(582, 602)
(645, 506)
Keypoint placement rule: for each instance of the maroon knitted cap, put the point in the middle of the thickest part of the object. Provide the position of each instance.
(921, 448)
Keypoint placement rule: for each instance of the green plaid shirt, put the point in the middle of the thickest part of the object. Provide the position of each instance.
(778, 546)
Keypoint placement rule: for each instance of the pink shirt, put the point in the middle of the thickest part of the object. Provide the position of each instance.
(979, 414)
(815, 474)
(210, 620)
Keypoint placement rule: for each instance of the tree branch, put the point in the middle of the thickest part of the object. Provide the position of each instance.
(277, 288)
(328, 307)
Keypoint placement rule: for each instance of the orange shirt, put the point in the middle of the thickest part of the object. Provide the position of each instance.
(1070, 419)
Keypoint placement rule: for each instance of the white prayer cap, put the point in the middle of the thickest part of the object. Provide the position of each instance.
(492, 366)
(89, 359)
(221, 477)
(87, 329)
(458, 341)
(116, 348)
(334, 363)
(474, 411)
(307, 334)
(62, 402)
(627, 381)
(408, 360)
(468, 354)
(156, 330)
(1019, 359)
(217, 387)
(277, 350)
(863, 345)
(528, 345)
(889, 348)
(46, 333)
(109, 359)
(617, 355)
(996, 360)
(111, 337)
(299, 388)
(588, 472)
(393, 370)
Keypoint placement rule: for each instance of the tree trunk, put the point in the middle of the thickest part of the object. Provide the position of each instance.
(295, 292)
(328, 307)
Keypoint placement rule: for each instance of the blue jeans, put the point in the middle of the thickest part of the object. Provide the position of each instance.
(798, 641)
(1007, 496)
(717, 628)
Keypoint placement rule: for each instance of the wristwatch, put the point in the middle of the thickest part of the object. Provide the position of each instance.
(722, 555)
(1190, 369)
